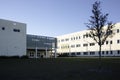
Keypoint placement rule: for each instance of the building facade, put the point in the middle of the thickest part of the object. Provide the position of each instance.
(12, 38)
(79, 44)
(41, 46)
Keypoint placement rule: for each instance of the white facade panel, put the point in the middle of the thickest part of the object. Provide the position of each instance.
(12, 38)
(77, 43)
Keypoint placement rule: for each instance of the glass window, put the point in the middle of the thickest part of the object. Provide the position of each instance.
(92, 44)
(102, 52)
(106, 42)
(106, 52)
(78, 53)
(16, 30)
(85, 44)
(118, 41)
(118, 30)
(92, 53)
(3, 28)
(118, 51)
(85, 53)
(110, 42)
(78, 45)
(111, 52)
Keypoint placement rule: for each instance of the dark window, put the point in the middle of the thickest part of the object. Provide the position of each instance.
(79, 37)
(111, 52)
(118, 41)
(106, 52)
(92, 44)
(78, 45)
(92, 53)
(118, 51)
(85, 53)
(118, 30)
(72, 46)
(110, 42)
(106, 42)
(3, 28)
(78, 53)
(102, 52)
(76, 38)
(85, 44)
(73, 54)
(16, 30)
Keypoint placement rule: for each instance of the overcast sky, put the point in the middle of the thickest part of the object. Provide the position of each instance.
(55, 17)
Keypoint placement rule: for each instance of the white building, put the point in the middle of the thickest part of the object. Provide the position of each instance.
(12, 38)
(78, 44)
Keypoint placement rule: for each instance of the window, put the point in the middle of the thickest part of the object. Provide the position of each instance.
(111, 52)
(85, 44)
(118, 30)
(106, 42)
(73, 54)
(67, 39)
(103, 52)
(111, 42)
(92, 44)
(118, 52)
(31, 54)
(62, 40)
(3, 28)
(79, 37)
(78, 53)
(85, 53)
(106, 52)
(72, 46)
(92, 53)
(78, 45)
(16, 30)
(76, 38)
(118, 41)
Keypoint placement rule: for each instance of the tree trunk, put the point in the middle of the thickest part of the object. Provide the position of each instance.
(100, 58)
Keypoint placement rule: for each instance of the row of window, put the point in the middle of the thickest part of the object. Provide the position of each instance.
(79, 37)
(93, 53)
(87, 44)
(15, 30)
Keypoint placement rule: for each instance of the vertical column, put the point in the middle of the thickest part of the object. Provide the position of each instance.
(46, 53)
(36, 52)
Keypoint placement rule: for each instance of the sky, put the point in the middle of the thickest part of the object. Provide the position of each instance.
(55, 17)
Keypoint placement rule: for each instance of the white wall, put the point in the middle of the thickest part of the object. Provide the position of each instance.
(12, 43)
(106, 47)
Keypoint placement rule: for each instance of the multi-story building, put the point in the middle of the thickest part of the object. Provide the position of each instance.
(12, 38)
(79, 44)
(15, 42)
(41, 46)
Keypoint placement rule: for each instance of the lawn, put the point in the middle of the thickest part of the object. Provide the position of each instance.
(60, 69)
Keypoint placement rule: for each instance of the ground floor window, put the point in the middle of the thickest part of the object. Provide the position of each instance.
(118, 51)
(92, 53)
(85, 53)
(78, 53)
(32, 54)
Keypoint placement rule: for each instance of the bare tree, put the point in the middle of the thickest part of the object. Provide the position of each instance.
(99, 26)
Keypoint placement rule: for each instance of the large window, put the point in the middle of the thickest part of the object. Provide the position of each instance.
(78, 53)
(3, 28)
(16, 30)
(118, 30)
(92, 44)
(78, 45)
(118, 41)
(85, 53)
(92, 53)
(85, 45)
